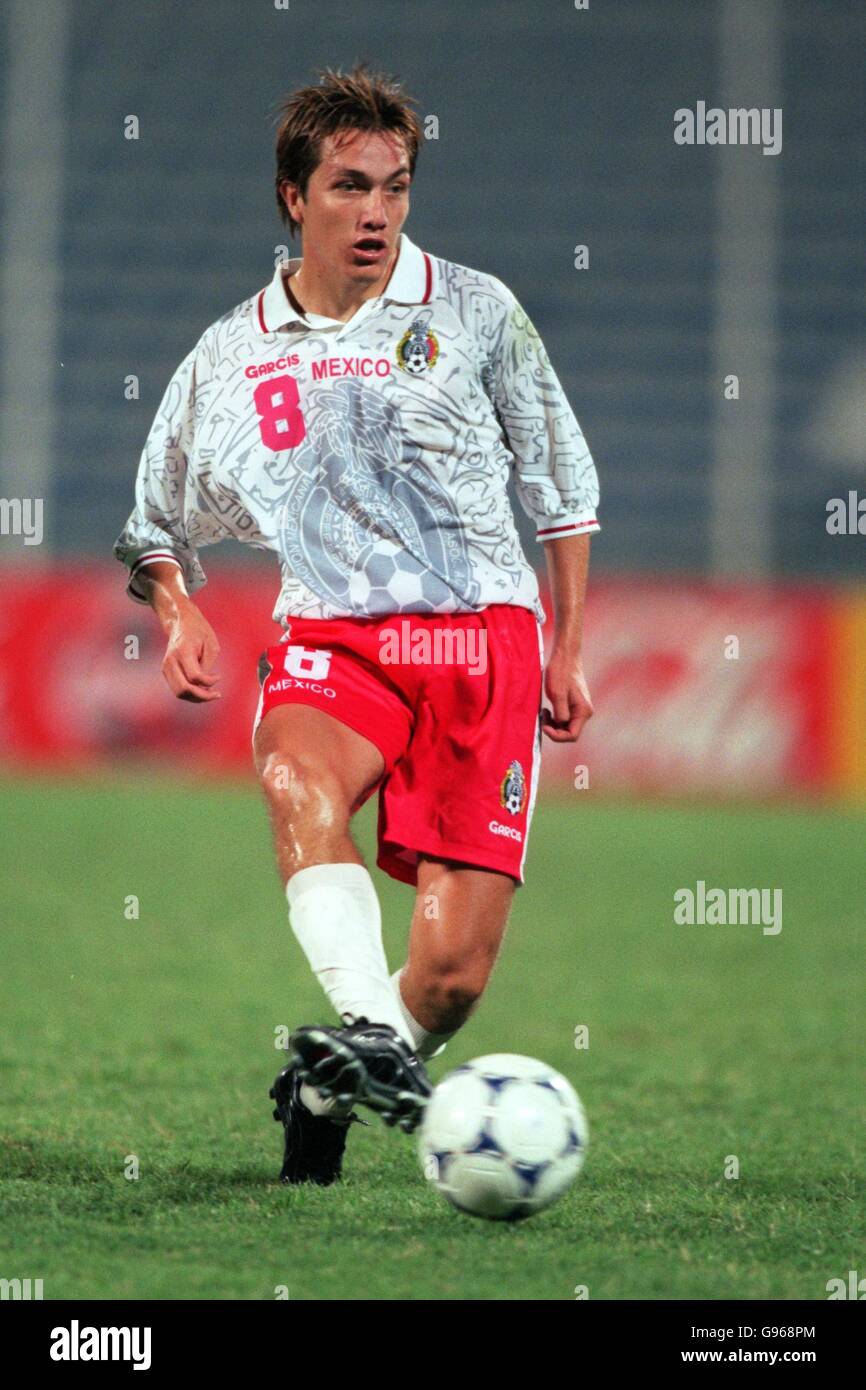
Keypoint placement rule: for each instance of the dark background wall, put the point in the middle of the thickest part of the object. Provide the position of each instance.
(555, 128)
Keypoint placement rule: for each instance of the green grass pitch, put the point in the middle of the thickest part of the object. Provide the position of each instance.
(155, 1037)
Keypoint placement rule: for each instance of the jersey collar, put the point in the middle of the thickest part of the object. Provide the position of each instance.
(411, 282)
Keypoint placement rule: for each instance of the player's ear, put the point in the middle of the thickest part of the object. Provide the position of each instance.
(291, 196)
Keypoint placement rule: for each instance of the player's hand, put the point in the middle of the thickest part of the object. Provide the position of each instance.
(566, 689)
(190, 656)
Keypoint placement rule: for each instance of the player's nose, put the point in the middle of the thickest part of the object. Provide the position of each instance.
(375, 217)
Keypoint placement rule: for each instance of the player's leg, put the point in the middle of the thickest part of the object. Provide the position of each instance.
(327, 730)
(458, 924)
(314, 772)
(462, 807)
(457, 928)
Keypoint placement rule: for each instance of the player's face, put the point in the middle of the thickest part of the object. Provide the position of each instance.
(359, 192)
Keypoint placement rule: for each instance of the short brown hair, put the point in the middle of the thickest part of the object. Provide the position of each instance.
(358, 100)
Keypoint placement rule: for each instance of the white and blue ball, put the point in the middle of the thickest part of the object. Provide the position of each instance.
(503, 1137)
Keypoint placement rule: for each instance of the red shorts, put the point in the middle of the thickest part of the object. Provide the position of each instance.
(452, 701)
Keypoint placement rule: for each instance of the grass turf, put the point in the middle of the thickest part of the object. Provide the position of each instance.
(155, 1037)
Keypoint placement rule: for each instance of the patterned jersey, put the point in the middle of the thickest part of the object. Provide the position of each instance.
(371, 456)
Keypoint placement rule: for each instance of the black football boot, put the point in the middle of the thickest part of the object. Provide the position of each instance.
(367, 1063)
(314, 1143)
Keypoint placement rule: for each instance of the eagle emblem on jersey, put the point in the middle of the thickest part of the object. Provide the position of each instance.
(363, 523)
(512, 792)
(418, 349)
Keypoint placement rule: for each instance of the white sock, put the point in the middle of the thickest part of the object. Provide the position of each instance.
(426, 1044)
(334, 912)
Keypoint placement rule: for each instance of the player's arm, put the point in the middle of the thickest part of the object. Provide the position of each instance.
(159, 543)
(564, 682)
(192, 647)
(557, 485)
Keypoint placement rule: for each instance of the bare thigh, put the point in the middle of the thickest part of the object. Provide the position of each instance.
(314, 772)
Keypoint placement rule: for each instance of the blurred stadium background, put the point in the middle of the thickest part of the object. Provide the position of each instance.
(555, 131)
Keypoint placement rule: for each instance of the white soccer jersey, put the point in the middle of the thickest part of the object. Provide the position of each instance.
(371, 456)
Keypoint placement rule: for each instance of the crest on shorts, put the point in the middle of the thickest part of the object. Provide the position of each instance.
(418, 349)
(512, 790)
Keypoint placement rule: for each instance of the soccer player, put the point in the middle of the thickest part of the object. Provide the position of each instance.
(360, 417)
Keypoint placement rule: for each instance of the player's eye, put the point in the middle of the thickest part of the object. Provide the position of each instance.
(396, 187)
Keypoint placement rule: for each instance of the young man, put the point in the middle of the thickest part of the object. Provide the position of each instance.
(360, 417)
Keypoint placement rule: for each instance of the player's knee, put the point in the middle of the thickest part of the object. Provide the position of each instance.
(452, 991)
(299, 787)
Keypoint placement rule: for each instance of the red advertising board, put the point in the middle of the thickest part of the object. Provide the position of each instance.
(80, 675)
(705, 688)
(726, 690)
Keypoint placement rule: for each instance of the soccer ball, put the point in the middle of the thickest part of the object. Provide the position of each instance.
(503, 1137)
